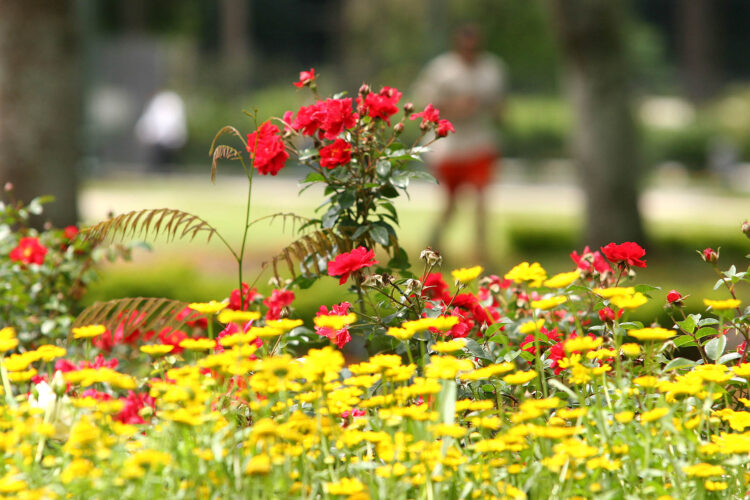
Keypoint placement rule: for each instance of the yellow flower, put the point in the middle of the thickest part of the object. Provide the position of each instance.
(8, 340)
(646, 381)
(157, 349)
(87, 332)
(715, 485)
(703, 470)
(654, 414)
(722, 304)
(549, 303)
(259, 465)
(400, 333)
(657, 333)
(531, 326)
(334, 322)
(9, 484)
(450, 346)
(624, 416)
(231, 316)
(446, 367)
(524, 271)
(198, 344)
(615, 291)
(583, 343)
(347, 486)
(519, 378)
(285, 324)
(742, 370)
(467, 274)
(208, 307)
(629, 301)
(630, 349)
(562, 280)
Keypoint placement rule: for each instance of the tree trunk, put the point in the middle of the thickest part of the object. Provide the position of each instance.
(696, 45)
(604, 142)
(40, 103)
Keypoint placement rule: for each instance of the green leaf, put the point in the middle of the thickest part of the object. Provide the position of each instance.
(526, 355)
(730, 356)
(704, 332)
(715, 347)
(684, 340)
(559, 385)
(476, 350)
(490, 331)
(383, 168)
(380, 235)
(314, 177)
(346, 200)
(645, 289)
(688, 324)
(389, 191)
(488, 388)
(401, 180)
(707, 321)
(679, 363)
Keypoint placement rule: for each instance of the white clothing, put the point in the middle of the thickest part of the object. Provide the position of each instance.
(448, 77)
(163, 123)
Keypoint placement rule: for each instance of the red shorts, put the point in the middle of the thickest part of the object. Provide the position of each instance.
(476, 171)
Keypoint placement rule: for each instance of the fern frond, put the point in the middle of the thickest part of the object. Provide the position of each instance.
(225, 152)
(174, 223)
(227, 129)
(130, 314)
(307, 252)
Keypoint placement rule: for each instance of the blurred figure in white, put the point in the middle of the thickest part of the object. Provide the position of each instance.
(162, 128)
(468, 86)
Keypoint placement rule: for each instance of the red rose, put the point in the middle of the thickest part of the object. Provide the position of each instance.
(28, 251)
(339, 337)
(674, 296)
(346, 263)
(606, 314)
(337, 153)
(305, 78)
(429, 115)
(249, 295)
(70, 232)
(307, 120)
(444, 128)
(336, 115)
(278, 300)
(627, 253)
(382, 105)
(266, 149)
(710, 255)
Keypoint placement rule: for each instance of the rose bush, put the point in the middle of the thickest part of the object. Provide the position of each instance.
(520, 385)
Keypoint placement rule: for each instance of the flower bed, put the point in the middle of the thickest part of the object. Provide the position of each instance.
(516, 386)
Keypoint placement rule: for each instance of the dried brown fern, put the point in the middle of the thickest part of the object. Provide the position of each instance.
(174, 223)
(130, 314)
(222, 151)
(306, 252)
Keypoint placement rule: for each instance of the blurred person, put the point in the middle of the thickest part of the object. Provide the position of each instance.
(162, 129)
(468, 86)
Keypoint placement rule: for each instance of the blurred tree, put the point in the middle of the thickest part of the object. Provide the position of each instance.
(696, 42)
(605, 145)
(40, 102)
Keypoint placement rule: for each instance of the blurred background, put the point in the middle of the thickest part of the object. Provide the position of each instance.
(624, 120)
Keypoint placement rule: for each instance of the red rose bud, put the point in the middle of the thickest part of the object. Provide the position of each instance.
(606, 314)
(746, 228)
(398, 128)
(364, 89)
(305, 78)
(710, 255)
(674, 297)
(408, 107)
